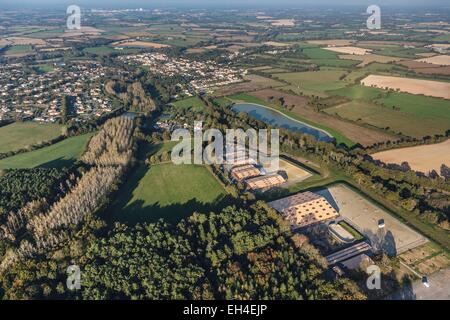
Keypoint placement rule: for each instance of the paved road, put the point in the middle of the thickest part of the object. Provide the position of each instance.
(439, 288)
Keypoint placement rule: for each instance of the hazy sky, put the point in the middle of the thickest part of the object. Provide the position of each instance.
(209, 3)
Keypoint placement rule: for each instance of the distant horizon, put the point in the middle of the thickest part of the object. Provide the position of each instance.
(230, 4)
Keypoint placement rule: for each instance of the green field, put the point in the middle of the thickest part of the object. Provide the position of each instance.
(396, 121)
(45, 34)
(393, 50)
(319, 53)
(419, 106)
(166, 191)
(19, 49)
(358, 92)
(58, 155)
(105, 50)
(313, 82)
(344, 63)
(274, 70)
(193, 103)
(356, 76)
(327, 58)
(20, 135)
(373, 68)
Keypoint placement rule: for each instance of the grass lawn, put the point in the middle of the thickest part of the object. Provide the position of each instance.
(193, 103)
(314, 82)
(19, 135)
(60, 154)
(340, 138)
(166, 191)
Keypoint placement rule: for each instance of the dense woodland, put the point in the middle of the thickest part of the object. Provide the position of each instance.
(233, 254)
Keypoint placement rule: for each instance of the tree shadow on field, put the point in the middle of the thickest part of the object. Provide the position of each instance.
(125, 210)
(57, 163)
(136, 212)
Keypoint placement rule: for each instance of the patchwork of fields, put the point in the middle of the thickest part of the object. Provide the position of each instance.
(337, 127)
(373, 78)
(408, 121)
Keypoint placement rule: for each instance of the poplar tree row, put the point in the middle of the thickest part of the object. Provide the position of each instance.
(108, 155)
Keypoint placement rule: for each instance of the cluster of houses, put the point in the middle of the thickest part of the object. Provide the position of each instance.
(37, 96)
(200, 76)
